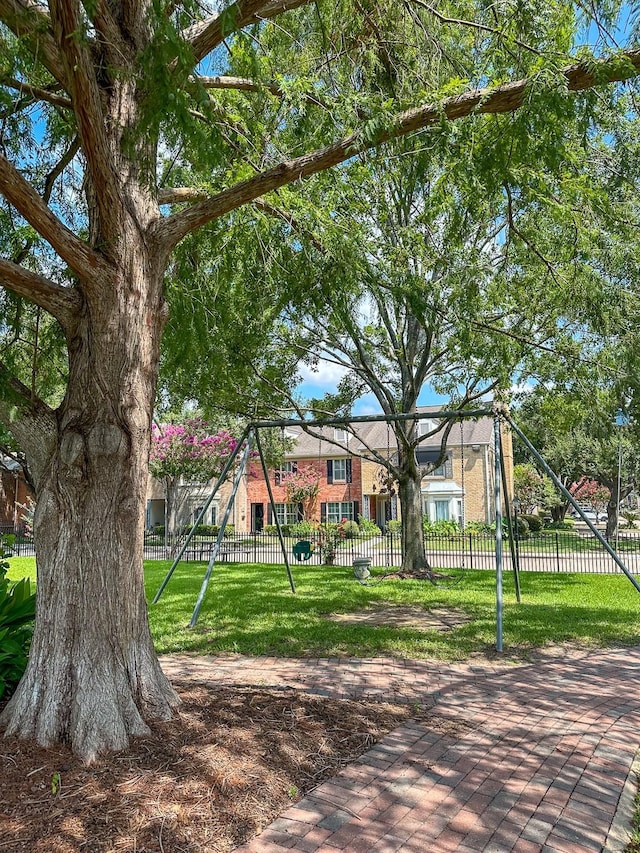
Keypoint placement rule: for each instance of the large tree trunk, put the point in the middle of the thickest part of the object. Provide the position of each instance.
(93, 678)
(414, 559)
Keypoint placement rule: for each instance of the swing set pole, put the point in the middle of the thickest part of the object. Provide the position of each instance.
(265, 473)
(192, 532)
(221, 532)
(515, 554)
(498, 513)
(567, 494)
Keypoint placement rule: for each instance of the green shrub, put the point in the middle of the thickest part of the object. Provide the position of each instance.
(534, 521)
(270, 530)
(17, 611)
(440, 528)
(394, 527)
(567, 524)
(523, 527)
(479, 528)
(368, 528)
(350, 529)
(304, 529)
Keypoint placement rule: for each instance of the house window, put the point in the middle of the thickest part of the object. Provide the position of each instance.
(284, 469)
(339, 471)
(287, 513)
(425, 427)
(340, 434)
(442, 510)
(337, 510)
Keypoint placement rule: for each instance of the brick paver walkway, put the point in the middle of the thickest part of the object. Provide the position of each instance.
(530, 759)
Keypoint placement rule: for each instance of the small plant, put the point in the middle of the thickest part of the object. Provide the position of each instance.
(328, 537)
(55, 784)
(394, 527)
(17, 611)
(630, 517)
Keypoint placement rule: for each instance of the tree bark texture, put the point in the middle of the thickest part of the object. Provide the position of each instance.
(93, 677)
(414, 559)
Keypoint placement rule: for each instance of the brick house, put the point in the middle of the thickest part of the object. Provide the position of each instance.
(340, 481)
(351, 485)
(15, 494)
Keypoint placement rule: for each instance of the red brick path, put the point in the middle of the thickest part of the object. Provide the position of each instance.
(538, 766)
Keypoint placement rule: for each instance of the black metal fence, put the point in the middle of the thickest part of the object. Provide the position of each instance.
(21, 541)
(548, 550)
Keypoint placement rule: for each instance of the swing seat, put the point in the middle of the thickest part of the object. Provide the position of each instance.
(302, 550)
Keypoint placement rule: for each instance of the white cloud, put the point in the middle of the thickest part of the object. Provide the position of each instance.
(326, 374)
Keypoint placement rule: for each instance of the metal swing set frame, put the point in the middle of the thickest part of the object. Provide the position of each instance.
(498, 412)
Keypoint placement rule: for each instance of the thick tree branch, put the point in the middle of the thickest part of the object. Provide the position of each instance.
(245, 84)
(30, 21)
(85, 94)
(18, 192)
(503, 99)
(179, 195)
(62, 302)
(35, 430)
(206, 35)
(239, 84)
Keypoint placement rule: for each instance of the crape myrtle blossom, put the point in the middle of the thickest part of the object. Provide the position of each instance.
(189, 450)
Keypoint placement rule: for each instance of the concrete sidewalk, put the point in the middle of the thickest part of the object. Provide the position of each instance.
(531, 758)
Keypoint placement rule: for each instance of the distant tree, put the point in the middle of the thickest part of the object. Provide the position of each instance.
(593, 494)
(302, 487)
(186, 453)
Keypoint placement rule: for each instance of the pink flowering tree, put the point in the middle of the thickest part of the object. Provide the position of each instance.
(302, 487)
(592, 493)
(183, 454)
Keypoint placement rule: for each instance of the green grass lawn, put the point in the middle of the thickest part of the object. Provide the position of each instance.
(250, 609)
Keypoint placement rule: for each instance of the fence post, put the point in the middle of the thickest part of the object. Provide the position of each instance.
(557, 553)
(471, 550)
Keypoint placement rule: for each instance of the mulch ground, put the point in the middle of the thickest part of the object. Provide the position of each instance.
(215, 776)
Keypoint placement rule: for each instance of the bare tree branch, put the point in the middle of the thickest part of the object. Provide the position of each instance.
(18, 192)
(62, 302)
(206, 35)
(503, 99)
(36, 93)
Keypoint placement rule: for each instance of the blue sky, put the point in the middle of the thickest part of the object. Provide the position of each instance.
(326, 379)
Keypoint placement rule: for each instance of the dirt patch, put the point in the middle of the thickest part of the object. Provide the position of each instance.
(217, 775)
(405, 616)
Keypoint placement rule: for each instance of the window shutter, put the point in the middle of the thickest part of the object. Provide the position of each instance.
(294, 467)
(356, 510)
(300, 512)
(448, 467)
(323, 513)
(329, 470)
(269, 514)
(349, 471)
(276, 479)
